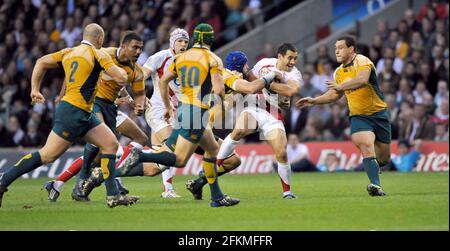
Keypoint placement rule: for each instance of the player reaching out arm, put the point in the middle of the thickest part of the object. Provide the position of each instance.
(369, 120)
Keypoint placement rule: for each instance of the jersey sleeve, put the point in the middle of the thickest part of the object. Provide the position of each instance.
(153, 63)
(59, 55)
(138, 84)
(363, 63)
(229, 79)
(104, 59)
(296, 75)
(215, 65)
(256, 68)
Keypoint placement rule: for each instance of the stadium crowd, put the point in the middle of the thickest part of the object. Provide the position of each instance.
(411, 58)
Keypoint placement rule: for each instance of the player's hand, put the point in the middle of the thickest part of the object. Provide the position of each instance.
(167, 115)
(278, 77)
(138, 109)
(285, 104)
(333, 85)
(305, 102)
(36, 97)
(57, 99)
(122, 101)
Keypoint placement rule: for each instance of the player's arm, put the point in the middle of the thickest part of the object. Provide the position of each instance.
(289, 89)
(118, 74)
(328, 97)
(148, 67)
(217, 84)
(164, 88)
(245, 87)
(42, 65)
(62, 92)
(362, 77)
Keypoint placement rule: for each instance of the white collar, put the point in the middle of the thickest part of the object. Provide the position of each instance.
(87, 42)
(117, 53)
(201, 47)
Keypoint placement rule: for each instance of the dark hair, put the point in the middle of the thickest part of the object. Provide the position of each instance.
(286, 47)
(349, 41)
(128, 36)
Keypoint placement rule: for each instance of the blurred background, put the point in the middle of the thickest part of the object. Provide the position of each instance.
(406, 39)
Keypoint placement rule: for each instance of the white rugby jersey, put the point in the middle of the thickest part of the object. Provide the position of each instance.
(158, 63)
(264, 66)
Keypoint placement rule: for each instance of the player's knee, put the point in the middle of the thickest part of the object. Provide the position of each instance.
(281, 155)
(181, 161)
(238, 134)
(141, 139)
(47, 157)
(111, 147)
(365, 148)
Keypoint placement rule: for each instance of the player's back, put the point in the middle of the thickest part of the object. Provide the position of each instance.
(194, 69)
(82, 67)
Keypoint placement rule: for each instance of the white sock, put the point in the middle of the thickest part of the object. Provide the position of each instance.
(136, 145)
(166, 177)
(227, 147)
(57, 185)
(284, 171)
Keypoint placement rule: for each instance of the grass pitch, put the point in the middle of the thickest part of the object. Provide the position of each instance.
(327, 201)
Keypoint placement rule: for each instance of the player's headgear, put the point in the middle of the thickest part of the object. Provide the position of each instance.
(203, 34)
(235, 61)
(177, 34)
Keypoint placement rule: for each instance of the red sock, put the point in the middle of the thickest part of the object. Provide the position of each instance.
(126, 151)
(285, 186)
(71, 171)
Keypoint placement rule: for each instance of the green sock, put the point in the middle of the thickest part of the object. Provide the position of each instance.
(371, 166)
(209, 167)
(163, 158)
(26, 164)
(89, 154)
(201, 181)
(137, 170)
(108, 165)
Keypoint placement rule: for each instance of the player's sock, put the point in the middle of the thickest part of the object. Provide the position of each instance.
(227, 148)
(284, 171)
(90, 152)
(167, 179)
(209, 166)
(108, 165)
(57, 185)
(71, 171)
(371, 167)
(164, 158)
(136, 145)
(201, 180)
(137, 170)
(26, 164)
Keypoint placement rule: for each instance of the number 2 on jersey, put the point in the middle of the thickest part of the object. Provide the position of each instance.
(74, 67)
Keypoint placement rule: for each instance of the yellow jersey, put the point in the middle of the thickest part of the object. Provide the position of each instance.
(367, 99)
(194, 69)
(82, 67)
(108, 88)
(229, 78)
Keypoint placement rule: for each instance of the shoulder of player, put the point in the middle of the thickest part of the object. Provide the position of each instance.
(227, 73)
(109, 50)
(162, 54)
(362, 60)
(266, 61)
